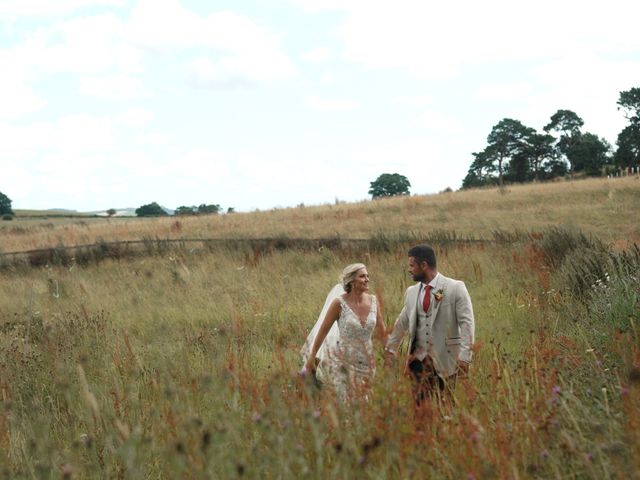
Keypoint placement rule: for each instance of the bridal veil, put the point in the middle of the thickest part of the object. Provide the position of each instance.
(330, 344)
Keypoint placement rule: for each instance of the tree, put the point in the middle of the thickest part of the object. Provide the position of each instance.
(590, 154)
(111, 212)
(628, 151)
(508, 140)
(519, 169)
(473, 179)
(5, 205)
(389, 185)
(629, 101)
(568, 124)
(481, 170)
(209, 208)
(541, 154)
(182, 210)
(555, 167)
(150, 210)
(628, 142)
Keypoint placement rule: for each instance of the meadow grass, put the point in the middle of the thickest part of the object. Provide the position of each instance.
(182, 365)
(607, 208)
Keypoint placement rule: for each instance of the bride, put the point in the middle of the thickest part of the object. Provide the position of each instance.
(339, 348)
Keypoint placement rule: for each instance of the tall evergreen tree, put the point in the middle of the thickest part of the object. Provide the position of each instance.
(508, 140)
(568, 124)
(590, 154)
(628, 142)
(5, 205)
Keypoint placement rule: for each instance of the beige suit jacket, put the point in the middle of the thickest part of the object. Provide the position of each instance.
(453, 327)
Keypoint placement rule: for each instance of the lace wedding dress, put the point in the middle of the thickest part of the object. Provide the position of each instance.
(352, 365)
(346, 355)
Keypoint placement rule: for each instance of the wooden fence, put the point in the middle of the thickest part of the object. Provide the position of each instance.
(96, 252)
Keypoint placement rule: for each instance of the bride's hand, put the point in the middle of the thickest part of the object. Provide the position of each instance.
(308, 369)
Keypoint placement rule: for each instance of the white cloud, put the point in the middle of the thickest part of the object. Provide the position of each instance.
(507, 68)
(71, 134)
(239, 51)
(503, 92)
(82, 133)
(84, 45)
(319, 5)
(203, 163)
(49, 7)
(414, 101)
(163, 25)
(562, 85)
(87, 45)
(68, 166)
(136, 163)
(317, 55)
(135, 117)
(438, 39)
(17, 98)
(318, 103)
(232, 72)
(430, 166)
(114, 87)
(56, 160)
(435, 120)
(20, 176)
(153, 139)
(327, 78)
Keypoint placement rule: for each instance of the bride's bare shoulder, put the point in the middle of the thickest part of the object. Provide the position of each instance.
(337, 302)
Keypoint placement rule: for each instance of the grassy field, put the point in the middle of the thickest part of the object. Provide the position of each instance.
(181, 364)
(607, 208)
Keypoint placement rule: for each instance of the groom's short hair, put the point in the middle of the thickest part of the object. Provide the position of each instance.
(424, 253)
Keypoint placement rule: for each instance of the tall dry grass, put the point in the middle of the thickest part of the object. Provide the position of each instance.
(607, 208)
(182, 365)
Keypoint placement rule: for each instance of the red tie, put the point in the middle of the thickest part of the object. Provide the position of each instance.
(427, 298)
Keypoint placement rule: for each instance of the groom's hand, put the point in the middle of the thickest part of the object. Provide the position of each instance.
(410, 358)
(389, 357)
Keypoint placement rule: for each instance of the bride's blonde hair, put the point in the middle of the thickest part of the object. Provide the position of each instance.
(349, 274)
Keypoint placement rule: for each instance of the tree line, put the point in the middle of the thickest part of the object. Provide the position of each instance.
(517, 153)
(153, 209)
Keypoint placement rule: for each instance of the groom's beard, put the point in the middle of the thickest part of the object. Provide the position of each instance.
(419, 277)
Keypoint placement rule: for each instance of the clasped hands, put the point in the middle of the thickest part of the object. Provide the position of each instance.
(309, 368)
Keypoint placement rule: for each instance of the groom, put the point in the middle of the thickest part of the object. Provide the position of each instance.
(439, 316)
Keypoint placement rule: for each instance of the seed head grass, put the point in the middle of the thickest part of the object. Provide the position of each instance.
(183, 365)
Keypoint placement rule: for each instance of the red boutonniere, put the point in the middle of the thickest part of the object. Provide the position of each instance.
(438, 295)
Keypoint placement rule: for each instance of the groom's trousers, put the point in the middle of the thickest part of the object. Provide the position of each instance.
(426, 383)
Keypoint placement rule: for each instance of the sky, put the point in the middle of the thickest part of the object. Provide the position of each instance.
(262, 104)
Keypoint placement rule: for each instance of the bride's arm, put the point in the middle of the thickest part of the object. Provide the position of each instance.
(332, 315)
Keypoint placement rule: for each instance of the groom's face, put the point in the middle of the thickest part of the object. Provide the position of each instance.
(417, 270)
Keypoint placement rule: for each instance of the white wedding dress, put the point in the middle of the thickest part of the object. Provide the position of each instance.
(346, 356)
